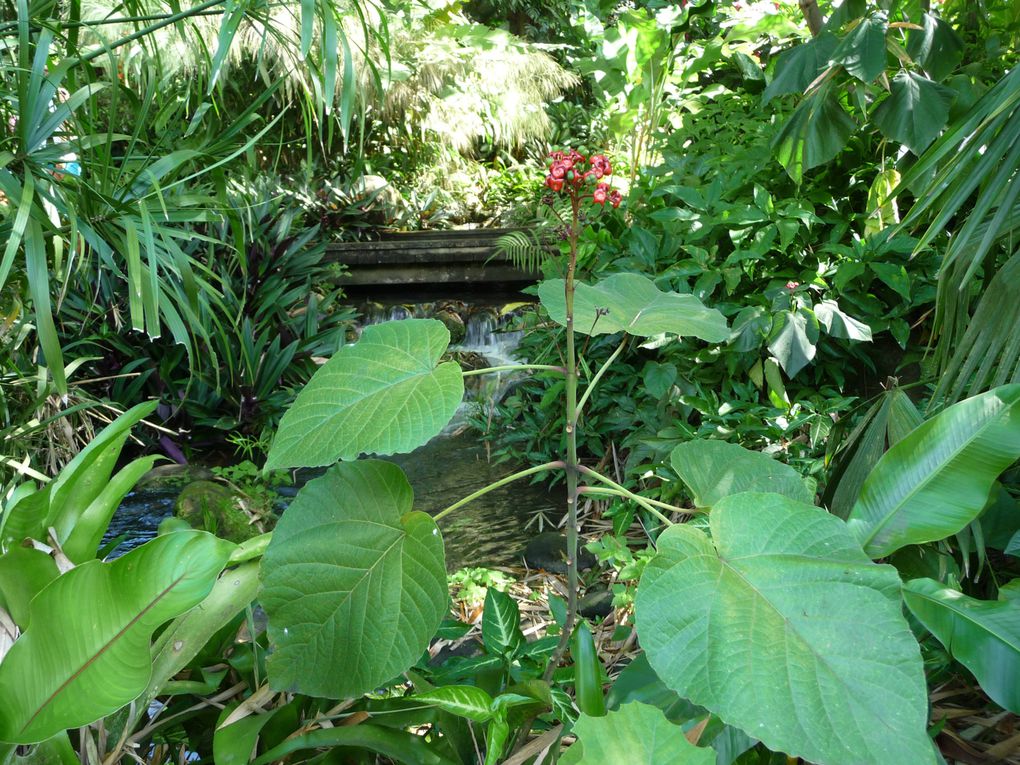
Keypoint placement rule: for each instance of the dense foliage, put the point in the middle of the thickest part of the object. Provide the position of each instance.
(775, 346)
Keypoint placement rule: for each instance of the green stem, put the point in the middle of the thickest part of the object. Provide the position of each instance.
(647, 504)
(571, 463)
(598, 375)
(514, 367)
(495, 485)
(627, 492)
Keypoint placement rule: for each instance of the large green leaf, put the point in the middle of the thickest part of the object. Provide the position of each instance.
(84, 538)
(938, 478)
(385, 394)
(86, 650)
(982, 635)
(61, 503)
(634, 734)
(797, 67)
(915, 112)
(632, 303)
(353, 581)
(24, 572)
(714, 469)
(936, 46)
(188, 634)
(395, 745)
(862, 51)
(840, 324)
(816, 132)
(793, 339)
(782, 626)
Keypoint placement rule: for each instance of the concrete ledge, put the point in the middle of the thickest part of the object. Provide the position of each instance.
(427, 257)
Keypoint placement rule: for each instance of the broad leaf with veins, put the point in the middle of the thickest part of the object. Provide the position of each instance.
(782, 626)
(388, 393)
(354, 582)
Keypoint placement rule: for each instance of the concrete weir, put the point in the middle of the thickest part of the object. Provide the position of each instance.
(456, 256)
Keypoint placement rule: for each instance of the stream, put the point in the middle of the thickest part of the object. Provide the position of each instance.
(494, 529)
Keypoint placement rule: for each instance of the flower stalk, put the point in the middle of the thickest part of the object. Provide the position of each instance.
(569, 173)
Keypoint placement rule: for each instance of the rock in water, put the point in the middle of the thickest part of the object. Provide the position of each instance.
(215, 508)
(548, 551)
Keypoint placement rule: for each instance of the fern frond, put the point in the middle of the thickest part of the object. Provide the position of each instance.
(523, 250)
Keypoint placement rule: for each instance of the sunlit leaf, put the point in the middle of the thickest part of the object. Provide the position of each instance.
(782, 626)
(982, 635)
(632, 303)
(385, 394)
(840, 324)
(635, 734)
(714, 469)
(86, 651)
(938, 478)
(793, 339)
(461, 700)
(354, 582)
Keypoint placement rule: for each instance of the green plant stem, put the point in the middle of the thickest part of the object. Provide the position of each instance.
(570, 429)
(554, 465)
(627, 492)
(515, 367)
(647, 504)
(590, 388)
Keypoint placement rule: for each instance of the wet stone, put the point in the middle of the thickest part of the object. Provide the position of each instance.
(548, 551)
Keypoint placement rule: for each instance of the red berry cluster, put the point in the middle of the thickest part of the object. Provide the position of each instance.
(570, 170)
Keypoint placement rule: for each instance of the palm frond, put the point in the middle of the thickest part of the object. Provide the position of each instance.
(976, 163)
(989, 353)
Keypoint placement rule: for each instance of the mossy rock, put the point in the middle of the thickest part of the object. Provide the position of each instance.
(173, 476)
(215, 508)
(454, 323)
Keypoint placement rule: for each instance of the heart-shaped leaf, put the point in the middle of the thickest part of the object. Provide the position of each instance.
(781, 626)
(716, 469)
(385, 394)
(862, 51)
(632, 303)
(353, 581)
(915, 112)
(635, 734)
(86, 652)
(793, 339)
(816, 132)
(983, 635)
(938, 478)
(840, 324)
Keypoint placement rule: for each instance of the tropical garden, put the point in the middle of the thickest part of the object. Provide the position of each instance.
(768, 365)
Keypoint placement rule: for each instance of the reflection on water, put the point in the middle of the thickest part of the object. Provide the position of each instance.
(492, 530)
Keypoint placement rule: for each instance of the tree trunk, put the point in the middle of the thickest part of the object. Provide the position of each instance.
(812, 15)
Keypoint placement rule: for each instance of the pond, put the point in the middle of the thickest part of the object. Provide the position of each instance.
(492, 530)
